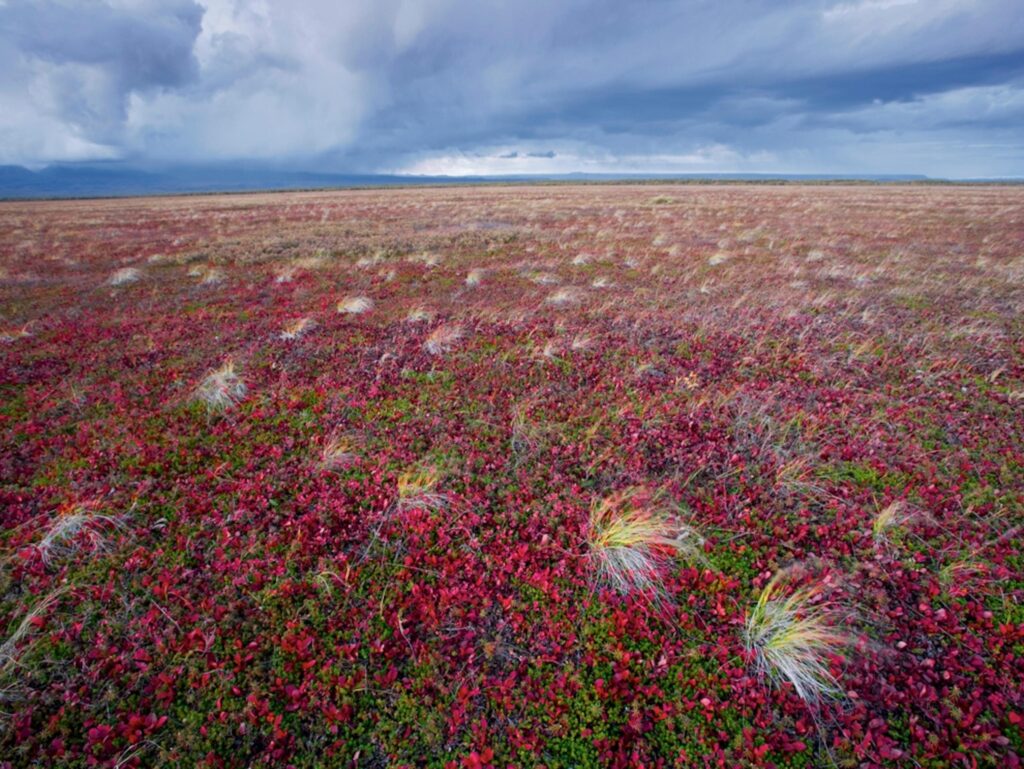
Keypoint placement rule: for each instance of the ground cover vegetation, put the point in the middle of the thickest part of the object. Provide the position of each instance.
(561, 476)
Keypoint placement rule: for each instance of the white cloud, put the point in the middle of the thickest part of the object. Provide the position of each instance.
(514, 160)
(376, 84)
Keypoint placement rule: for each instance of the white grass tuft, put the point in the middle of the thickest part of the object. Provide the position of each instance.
(582, 342)
(632, 539)
(212, 276)
(221, 389)
(9, 650)
(419, 315)
(425, 258)
(545, 278)
(7, 336)
(340, 451)
(286, 274)
(475, 277)
(296, 329)
(889, 519)
(124, 276)
(792, 635)
(442, 339)
(355, 305)
(77, 529)
(564, 296)
(417, 488)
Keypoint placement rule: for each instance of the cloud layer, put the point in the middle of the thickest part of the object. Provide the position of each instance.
(479, 86)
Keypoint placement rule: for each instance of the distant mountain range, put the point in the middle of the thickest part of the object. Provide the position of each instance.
(116, 179)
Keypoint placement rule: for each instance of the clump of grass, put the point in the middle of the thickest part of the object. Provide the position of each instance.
(601, 282)
(297, 328)
(544, 278)
(221, 389)
(339, 452)
(314, 262)
(365, 262)
(75, 529)
(792, 635)
(475, 277)
(632, 539)
(719, 258)
(564, 296)
(582, 342)
(889, 519)
(11, 649)
(10, 335)
(416, 488)
(419, 315)
(581, 259)
(124, 276)
(442, 339)
(355, 305)
(526, 434)
(426, 258)
(13, 673)
(286, 274)
(795, 475)
(212, 276)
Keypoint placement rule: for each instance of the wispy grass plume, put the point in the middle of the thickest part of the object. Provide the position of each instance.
(442, 339)
(340, 451)
(889, 520)
(416, 488)
(124, 276)
(792, 634)
(564, 296)
(419, 315)
(297, 328)
(355, 305)
(79, 528)
(221, 389)
(632, 538)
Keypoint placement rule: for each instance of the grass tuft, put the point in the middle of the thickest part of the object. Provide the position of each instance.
(7, 336)
(792, 635)
(77, 528)
(297, 328)
(221, 389)
(9, 651)
(892, 517)
(416, 488)
(632, 539)
(124, 276)
(355, 305)
(339, 452)
(442, 339)
(211, 277)
(419, 315)
(564, 296)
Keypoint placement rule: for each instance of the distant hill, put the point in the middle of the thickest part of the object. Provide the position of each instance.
(72, 180)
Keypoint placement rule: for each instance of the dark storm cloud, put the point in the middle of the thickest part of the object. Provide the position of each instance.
(71, 68)
(140, 47)
(537, 85)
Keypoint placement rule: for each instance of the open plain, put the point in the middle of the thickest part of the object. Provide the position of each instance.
(546, 475)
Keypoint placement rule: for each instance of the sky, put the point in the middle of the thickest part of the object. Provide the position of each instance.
(474, 87)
